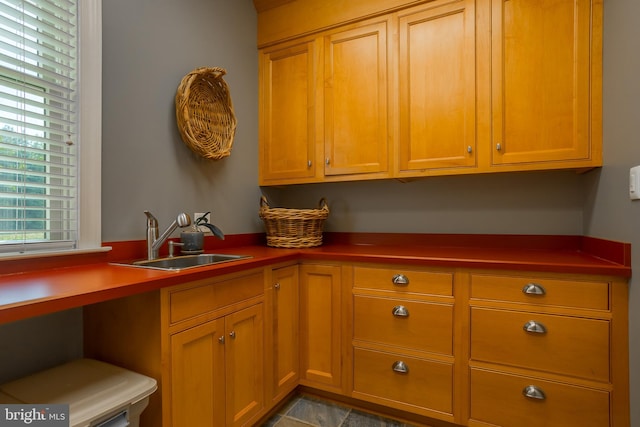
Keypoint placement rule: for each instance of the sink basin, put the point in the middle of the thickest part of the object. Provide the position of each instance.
(187, 261)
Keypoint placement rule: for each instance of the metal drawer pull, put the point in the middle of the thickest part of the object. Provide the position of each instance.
(400, 280)
(232, 334)
(534, 327)
(400, 367)
(533, 289)
(533, 392)
(221, 339)
(400, 311)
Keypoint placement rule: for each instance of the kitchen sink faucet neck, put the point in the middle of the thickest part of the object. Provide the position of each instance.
(154, 242)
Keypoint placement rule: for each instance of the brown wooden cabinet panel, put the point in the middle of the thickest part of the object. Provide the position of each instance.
(437, 86)
(284, 334)
(420, 385)
(498, 399)
(321, 324)
(244, 365)
(198, 376)
(356, 100)
(288, 105)
(546, 81)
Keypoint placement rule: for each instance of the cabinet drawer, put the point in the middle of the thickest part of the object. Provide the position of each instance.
(499, 399)
(426, 384)
(539, 291)
(403, 280)
(209, 295)
(417, 325)
(564, 345)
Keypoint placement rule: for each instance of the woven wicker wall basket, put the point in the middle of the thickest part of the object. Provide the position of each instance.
(204, 112)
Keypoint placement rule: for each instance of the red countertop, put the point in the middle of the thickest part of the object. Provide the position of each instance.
(31, 287)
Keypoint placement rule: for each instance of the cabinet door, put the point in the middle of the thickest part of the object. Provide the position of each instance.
(244, 364)
(287, 113)
(320, 327)
(286, 320)
(355, 101)
(543, 100)
(437, 87)
(198, 376)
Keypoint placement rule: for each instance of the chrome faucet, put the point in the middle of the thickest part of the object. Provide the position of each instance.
(153, 241)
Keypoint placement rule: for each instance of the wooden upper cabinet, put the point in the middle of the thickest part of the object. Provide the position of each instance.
(287, 112)
(356, 100)
(546, 82)
(437, 86)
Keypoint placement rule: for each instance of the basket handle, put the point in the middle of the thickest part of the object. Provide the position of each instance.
(263, 202)
(219, 71)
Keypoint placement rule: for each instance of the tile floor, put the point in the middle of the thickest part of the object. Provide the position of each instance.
(305, 411)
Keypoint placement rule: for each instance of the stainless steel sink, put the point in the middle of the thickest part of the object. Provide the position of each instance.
(187, 261)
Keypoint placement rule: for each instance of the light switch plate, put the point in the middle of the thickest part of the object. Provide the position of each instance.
(634, 183)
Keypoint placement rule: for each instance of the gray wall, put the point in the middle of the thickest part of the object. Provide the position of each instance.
(150, 44)
(608, 211)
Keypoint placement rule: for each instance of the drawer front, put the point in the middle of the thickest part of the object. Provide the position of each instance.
(185, 303)
(402, 323)
(425, 384)
(403, 280)
(528, 290)
(499, 399)
(563, 345)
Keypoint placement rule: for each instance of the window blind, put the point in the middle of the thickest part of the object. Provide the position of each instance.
(38, 131)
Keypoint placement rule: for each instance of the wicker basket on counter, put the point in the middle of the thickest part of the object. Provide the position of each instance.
(204, 112)
(293, 228)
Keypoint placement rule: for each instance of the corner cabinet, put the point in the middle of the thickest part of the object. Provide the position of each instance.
(324, 106)
(282, 335)
(323, 328)
(430, 88)
(546, 80)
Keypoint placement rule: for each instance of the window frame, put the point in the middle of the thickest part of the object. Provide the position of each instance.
(89, 131)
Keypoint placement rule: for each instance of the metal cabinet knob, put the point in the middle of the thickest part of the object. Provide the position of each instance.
(400, 367)
(221, 339)
(400, 280)
(498, 146)
(327, 161)
(309, 163)
(533, 392)
(533, 289)
(276, 286)
(232, 334)
(469, 149)
(534, 327)
(400, 311)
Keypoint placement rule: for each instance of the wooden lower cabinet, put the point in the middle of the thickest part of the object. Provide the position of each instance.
(322, 325)
(403, 338)
(202, 341)
(433, 346)
(216, 371)
(282, 332)
(547, 349)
